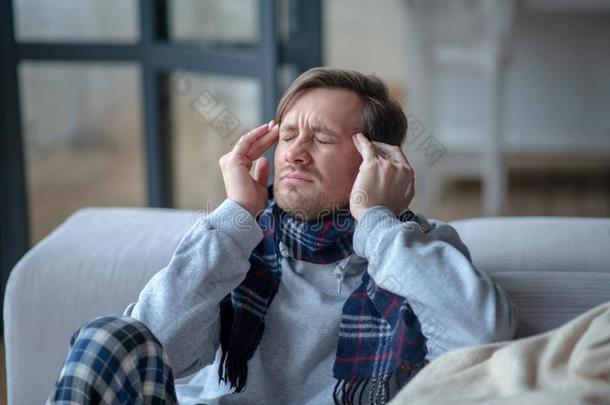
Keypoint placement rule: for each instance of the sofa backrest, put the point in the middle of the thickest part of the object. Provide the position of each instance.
(553, 268)
(97, 262)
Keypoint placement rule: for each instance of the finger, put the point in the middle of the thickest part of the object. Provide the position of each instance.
(243, 145)
(259, 146)
(391, 152)
(253, 168)
(364, 146)
(409, 195)
(261, 171)
(411, 188)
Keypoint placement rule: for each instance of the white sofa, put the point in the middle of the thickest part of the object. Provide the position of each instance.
(98, 260)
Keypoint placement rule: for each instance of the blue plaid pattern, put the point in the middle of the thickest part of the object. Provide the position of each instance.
(114, 360)
(379, 333)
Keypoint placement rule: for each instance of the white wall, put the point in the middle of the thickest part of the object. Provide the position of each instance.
(557, 87)
(558, 84)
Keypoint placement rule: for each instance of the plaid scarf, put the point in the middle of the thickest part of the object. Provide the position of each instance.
(379, 334)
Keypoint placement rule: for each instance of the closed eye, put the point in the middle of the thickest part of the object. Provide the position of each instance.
(324, 140)
(288, 136)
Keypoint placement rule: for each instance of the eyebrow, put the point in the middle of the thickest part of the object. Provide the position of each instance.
(317, 127)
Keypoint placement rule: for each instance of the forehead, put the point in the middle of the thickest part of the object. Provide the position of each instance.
(337, 107)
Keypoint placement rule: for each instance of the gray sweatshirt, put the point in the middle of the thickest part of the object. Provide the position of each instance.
(423, 261)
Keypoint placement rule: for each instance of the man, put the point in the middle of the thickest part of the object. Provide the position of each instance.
(324, 287)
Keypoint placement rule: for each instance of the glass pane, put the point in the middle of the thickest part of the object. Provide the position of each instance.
(77, 20)
(347, 46)
(82, 138)
(208, 114)
(220, 22)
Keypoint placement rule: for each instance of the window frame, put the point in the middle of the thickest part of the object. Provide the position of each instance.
(156, 57)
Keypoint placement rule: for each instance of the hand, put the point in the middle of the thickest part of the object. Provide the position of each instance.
(249, 191)
(385, 178)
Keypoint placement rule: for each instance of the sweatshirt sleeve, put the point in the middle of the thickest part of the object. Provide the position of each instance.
(427, 263)
(180, 304)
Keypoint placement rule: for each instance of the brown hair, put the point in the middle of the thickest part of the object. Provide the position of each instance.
(382, 117)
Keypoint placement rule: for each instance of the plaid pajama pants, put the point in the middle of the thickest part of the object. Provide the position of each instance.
(114, 360)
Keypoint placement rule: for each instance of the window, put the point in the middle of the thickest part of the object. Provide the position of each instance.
(90, 115)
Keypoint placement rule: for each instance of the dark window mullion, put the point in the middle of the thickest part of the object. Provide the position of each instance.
(156, 142)
(268, 54)
(303, 47)
(159, 56)
(76, 52)
(311, 14)
(14, 225)
(267, 67)
(227, 60)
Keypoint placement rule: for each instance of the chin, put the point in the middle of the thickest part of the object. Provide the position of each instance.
(305, 207)
(290, 200)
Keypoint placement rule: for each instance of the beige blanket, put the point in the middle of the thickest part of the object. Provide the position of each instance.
(567, 365)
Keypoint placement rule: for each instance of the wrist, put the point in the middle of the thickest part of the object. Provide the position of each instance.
(246, 205)
(373, 224)
(233, 220)
(360, 213)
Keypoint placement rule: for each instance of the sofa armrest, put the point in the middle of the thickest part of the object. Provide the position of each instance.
(94, 264)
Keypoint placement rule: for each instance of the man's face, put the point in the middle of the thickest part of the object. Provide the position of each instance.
(316, 161)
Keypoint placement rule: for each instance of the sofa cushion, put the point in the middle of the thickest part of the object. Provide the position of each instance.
(93, 264)
(554, 269)
(546, 300)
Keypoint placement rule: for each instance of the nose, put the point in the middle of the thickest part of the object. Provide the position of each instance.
(297, 153)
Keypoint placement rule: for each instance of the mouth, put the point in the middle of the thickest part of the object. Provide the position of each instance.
(295, 178)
